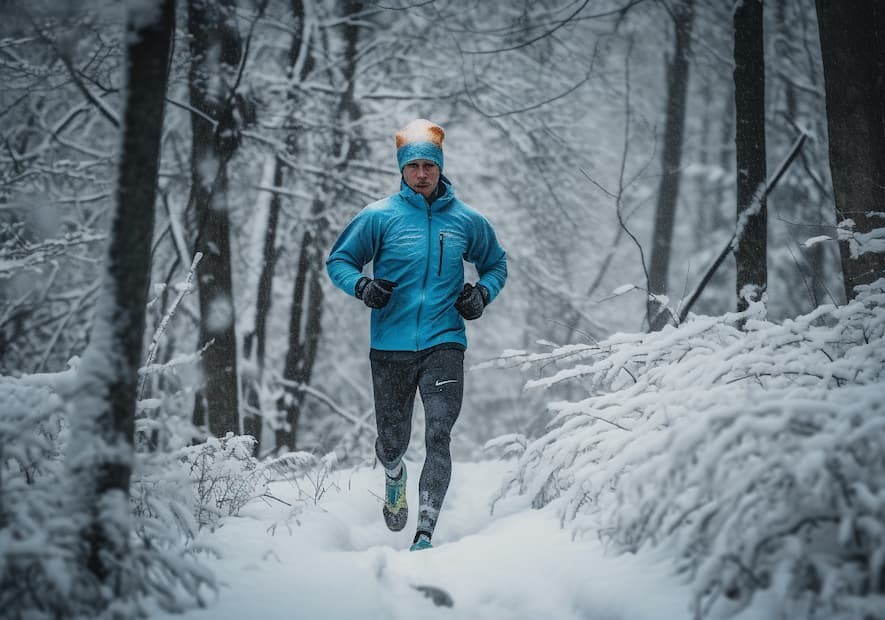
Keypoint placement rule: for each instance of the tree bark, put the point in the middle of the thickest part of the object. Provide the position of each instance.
(305, 329)
(671, 160)
(101, 449)
(215, 55)
(721, 214)
(852, 53)
(257, 340)
(749, 95)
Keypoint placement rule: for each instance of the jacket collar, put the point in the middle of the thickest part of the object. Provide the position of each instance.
(417, 200)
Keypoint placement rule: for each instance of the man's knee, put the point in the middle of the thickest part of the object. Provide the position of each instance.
(438, 438)
(389, 450)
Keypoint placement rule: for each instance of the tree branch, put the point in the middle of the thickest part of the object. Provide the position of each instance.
(105, 110)
(772, 182)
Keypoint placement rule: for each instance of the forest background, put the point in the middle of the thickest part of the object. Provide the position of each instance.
(644, 162)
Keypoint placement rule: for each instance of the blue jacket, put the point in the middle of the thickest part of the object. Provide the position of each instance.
(419, 247)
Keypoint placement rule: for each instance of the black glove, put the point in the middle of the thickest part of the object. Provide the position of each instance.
(472, 301)
(374, 293)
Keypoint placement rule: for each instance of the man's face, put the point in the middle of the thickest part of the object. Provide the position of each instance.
(422, 176)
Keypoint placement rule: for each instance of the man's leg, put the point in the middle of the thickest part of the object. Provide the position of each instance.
(442, 388)
(394, 384)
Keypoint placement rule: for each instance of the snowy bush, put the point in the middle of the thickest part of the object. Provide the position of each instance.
(756, 455)
(165, 531)
(310, 475)
(224, 476)
(41, 570)
(36, 544)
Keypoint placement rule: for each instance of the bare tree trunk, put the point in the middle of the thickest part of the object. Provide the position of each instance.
(704, 186)
(305, 329)
(726, 160)
(749, 96)
(215, 55)
(796, 202)
(852, 53)
(879, 12)
(101, 448)
(257, 340)
(671, 160)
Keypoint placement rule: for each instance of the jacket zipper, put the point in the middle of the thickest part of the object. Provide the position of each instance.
(439, 272)
(424, 285)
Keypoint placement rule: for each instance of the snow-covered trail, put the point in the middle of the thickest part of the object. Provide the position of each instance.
(335, 559)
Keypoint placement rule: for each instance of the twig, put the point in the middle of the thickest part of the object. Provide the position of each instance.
(327, 400)
(57, 333)
(274, 497)
(193, 110)
(262, 7)
(105, 110)
(161, 328)
(563, 22)
(626, 150)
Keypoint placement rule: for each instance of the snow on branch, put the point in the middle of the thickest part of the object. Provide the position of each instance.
(185, 289)
(17, 254)
(753, 456)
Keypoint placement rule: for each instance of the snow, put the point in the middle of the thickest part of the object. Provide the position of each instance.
(861, 243)
(691, 457)
(812, 241)
(747, 214)
(743, 451)
(624, 288)
(143, 13)
(335, 559)
(872, 242)
(220, 314)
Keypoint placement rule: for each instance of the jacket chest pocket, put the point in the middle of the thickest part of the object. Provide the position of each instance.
(452, 246)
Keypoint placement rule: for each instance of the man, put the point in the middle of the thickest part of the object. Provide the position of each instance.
(416, 241)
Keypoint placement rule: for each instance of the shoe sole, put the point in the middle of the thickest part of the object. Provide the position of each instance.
(396, 522)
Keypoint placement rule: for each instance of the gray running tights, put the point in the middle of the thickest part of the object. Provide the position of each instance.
(439, 375)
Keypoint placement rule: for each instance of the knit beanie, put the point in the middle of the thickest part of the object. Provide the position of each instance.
(420, 139)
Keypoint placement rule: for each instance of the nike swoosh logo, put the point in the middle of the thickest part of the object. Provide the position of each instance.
(439, 383)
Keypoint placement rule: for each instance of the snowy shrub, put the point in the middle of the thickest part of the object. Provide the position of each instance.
(164, 528)
(36, 543)
(309, 474)
(224, 476)
(42, 574)
(757, 455)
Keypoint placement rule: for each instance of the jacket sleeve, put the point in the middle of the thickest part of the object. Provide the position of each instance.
(488, 256)
(354, 248)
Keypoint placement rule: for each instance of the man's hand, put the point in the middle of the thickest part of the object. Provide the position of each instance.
(472, 301)
(374, 293)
